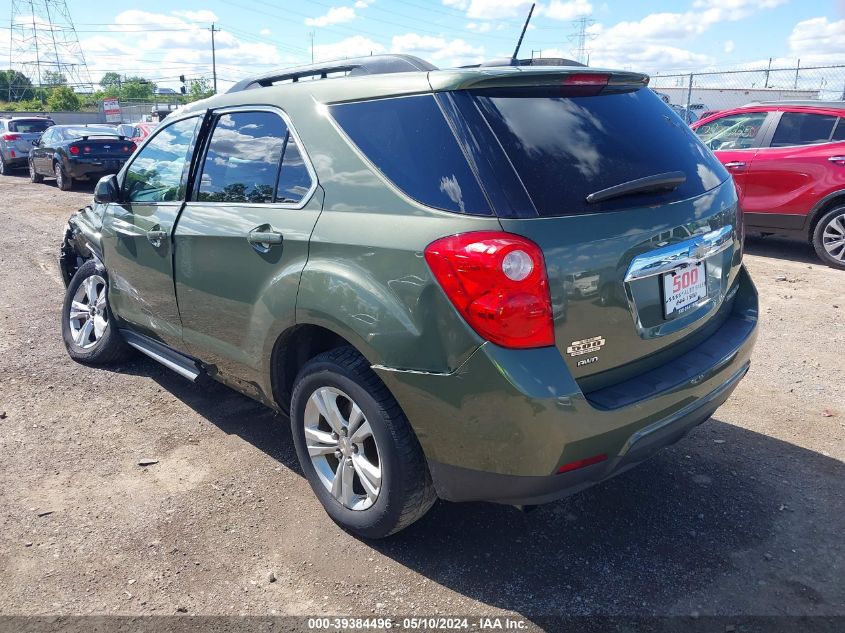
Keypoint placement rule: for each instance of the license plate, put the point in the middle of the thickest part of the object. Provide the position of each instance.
(683, 289)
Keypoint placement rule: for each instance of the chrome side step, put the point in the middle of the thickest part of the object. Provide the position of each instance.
(183, 365)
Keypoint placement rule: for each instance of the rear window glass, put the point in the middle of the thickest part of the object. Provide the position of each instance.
(34, 126)
(800, 128)
(567, 148)
(79, 132)
(410, 142)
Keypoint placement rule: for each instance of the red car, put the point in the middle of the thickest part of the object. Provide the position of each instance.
(788, 162)
(136, 132)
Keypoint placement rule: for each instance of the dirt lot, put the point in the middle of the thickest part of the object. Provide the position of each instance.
(745, 516)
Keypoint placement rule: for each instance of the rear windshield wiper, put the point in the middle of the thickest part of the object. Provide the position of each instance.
(659, 182)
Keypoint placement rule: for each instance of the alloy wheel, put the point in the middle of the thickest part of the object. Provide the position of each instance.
(833, 237)
(57, 169)
(32, 173)
(88, 317)
(342, 448)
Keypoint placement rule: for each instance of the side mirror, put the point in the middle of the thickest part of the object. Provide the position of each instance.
(36, 141)
(107, 190)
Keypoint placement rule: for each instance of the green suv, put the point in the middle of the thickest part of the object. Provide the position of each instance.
(496, 283)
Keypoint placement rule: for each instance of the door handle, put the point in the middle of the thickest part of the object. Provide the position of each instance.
(263, 237)
(735, 164)
(839, 160)
(156, 236)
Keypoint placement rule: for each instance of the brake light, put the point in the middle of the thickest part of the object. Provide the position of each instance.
(73, 150)
(498, 283)
(128, 148)
(584, 84)
(11, 137)
(86, 149)
(582, 463)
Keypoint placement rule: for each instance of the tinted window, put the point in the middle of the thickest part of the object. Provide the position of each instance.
(34, 126)
(839, 132)
(294, 180)
(567, 148)
(47, 137)
(242, 161)
(155, 174)
(799, 128)
(409, 141)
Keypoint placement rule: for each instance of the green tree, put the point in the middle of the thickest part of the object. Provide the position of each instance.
(110, 80)
(63, 99)
(15, 86)
(199, 89)
(137, 88)
(53, 78)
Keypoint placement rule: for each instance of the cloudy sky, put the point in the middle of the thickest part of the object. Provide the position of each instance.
(162, 42)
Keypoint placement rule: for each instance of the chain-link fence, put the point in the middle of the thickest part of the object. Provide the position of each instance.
(695, 95)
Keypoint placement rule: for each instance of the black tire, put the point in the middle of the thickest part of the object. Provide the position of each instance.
(832, 222)
(4, 168)
(407, 492)
(109, 347)
(34, 176)
(63, 181)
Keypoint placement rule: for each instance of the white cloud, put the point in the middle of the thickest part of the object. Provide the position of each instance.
(559, 10)
(445, 52)
(355, 46)
(335, 15)
(729, 46)
(202, 15)
(818, 37)
(265, 32)
(480, 27)
(363, 4)
(491, 9)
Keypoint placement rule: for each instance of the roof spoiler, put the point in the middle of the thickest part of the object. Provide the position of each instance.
(535, 79)
(372, 65)
(532, 61)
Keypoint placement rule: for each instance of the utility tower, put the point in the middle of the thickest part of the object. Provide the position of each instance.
(580, 37)
(44, 46)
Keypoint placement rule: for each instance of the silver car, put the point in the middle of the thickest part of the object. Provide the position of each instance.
(17, 135)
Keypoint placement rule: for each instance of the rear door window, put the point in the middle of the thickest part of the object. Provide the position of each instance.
(803, 128)
(839, 132)
(294, 180)
(565, 148)
(409, 141)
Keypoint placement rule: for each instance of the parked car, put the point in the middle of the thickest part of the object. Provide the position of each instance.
(788, 162)
(136, 132)
(75, 152)
(707, 113)
(385, 257)
(16, 137)
(689, 116)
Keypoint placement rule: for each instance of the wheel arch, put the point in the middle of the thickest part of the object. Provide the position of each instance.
(830, 201)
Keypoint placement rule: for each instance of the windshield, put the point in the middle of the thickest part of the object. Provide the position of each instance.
(564, 148)
(29, 126)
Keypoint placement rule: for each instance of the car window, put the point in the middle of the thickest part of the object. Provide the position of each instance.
(156, 172)
(47, 137)
(34, 126)
(565, 148)
(803, 128)
(409, 141)
(294, 179)
(242, 161)
(839, 132)
(734, 131)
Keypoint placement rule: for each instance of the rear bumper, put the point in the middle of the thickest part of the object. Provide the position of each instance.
(84, 169)
(500, 427)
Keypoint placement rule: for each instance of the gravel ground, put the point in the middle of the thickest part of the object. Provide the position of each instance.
(743, 517)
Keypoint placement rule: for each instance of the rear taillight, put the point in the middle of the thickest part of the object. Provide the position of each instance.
(11, 137)
(128, 148)
(584, 84)
(86, 149)
(73, 149)
(497, 281)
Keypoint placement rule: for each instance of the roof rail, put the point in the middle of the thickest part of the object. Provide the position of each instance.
(531, 61)
(372, 65)
(816, 103)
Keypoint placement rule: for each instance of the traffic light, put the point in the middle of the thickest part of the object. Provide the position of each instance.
(183, 89)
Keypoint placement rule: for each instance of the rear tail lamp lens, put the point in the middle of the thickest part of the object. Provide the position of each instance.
(11, 137)
(86, 149)
(584, 84)
(582, 463)
(497, 282)
(73, 150)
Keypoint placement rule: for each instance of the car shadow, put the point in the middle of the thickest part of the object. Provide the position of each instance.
(637, 544)
(774, 247)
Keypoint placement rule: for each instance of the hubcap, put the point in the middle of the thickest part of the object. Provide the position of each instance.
(833, 238)
(342, 448)
(58, 171)
(88, 316)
